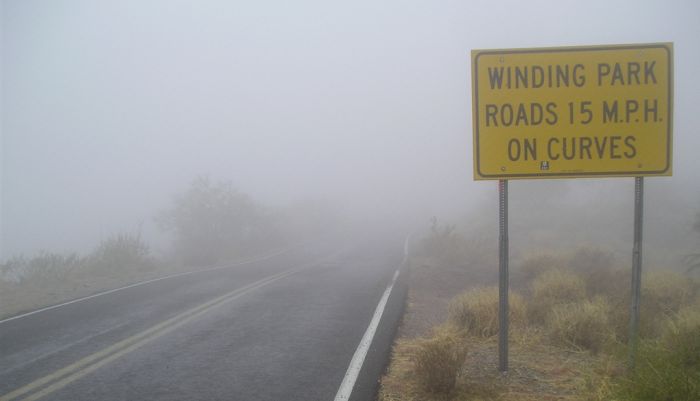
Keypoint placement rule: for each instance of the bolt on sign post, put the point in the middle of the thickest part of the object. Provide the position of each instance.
(572, 112)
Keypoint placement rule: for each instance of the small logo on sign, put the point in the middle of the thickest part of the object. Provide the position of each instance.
(544, 165)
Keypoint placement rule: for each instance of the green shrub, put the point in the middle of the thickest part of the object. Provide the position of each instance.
(683, 335)
(476, 311)
(438, 361)
(551, 288)
(669, 368)
(581, 325)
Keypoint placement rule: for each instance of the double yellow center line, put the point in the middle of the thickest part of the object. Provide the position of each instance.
(64, 376)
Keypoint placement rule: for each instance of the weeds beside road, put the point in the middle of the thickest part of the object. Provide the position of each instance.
(569, 322)
(47, 279)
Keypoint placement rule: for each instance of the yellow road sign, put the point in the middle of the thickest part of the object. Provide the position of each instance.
(573, 111)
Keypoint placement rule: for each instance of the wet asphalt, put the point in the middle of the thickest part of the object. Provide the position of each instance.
(283, 328)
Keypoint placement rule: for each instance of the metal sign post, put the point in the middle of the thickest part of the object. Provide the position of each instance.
(572, 112)
(636, 268)
(503, 276)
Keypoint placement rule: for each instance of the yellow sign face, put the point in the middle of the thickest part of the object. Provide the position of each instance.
(602, 111)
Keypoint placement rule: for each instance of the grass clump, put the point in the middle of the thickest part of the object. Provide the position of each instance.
(438, 361)
(664, 293)
(476, 311)
(551, 288)
(683, 336)
(669, 368)
(535, 265)
(582, 325)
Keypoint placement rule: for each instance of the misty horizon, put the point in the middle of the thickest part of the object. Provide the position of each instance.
(109, 111)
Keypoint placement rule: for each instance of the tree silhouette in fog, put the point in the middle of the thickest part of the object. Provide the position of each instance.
(214, 222)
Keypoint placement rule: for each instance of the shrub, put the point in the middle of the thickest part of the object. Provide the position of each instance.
(552, 288)
(614, 285)
(214, 222)
(121, 251)
(596, 268)
(581, 325)
(535, 265)
(44, 266)
(683, 336)
(476, 311)
(658, 377)
(668, 369)
(438, 361)
(663, 294)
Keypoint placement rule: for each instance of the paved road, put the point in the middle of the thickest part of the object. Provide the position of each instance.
(283, 328)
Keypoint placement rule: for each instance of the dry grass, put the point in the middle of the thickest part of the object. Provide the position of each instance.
(399, 384)
(476, 311)
(551, 288)
(582, 325)
(534, 265)
(668, 369)
(569, 342)
(48, 279)
(663, 295)
(683, 335)
(611, 283)
(438, 360)
(537, 372)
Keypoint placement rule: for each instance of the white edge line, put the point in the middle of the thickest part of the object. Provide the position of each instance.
(145, 282)
(358, 358)
(405, 249)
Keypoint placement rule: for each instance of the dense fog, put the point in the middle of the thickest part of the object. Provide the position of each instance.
(354, 114)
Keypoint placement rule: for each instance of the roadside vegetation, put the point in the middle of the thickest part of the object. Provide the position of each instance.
(569, 315)
(47, 278)
(214, 222)
(210, 223)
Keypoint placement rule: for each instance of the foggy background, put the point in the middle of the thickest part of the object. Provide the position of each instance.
(111, 108)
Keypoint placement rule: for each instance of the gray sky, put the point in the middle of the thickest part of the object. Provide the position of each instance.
(109, 108)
